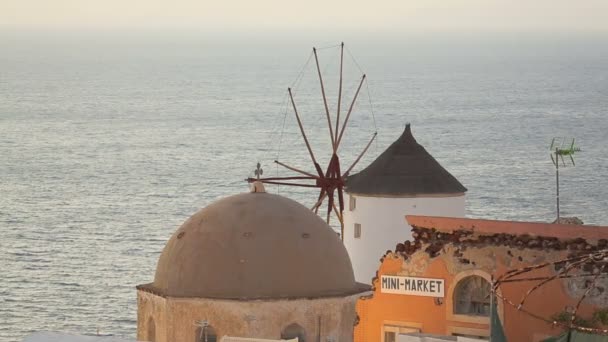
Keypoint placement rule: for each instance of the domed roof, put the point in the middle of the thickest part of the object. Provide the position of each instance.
(404, 169)
(255, 246)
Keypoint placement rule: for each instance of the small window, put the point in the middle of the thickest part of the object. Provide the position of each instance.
(205, 334)
(390, 336)
(293, 331)
(392, 332)
(357, 230)
(472, 297)
(352, 203)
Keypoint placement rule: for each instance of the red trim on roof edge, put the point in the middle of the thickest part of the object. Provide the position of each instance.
(560, 231)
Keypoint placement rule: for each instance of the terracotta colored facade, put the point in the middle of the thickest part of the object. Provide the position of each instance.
(453, 249)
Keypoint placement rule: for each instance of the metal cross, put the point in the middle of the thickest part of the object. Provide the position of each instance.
(258, 171)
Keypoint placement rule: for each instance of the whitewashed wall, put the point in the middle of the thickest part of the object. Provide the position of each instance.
(383, 225)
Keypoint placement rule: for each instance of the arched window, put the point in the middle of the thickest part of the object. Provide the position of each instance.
(472, 296)
(293, 331)
(151, 330)
(205, 334)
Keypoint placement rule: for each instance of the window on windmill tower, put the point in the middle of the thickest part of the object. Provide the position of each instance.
(357, 230)
(352, 202)
(205, 334)
(472, 296)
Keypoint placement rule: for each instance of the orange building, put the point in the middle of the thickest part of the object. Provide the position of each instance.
(440, 283)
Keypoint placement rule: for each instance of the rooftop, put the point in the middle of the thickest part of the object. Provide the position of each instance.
(254, 246)
(404, 169)
(488, 227)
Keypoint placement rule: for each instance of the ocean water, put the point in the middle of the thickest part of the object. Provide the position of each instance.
(109, 142)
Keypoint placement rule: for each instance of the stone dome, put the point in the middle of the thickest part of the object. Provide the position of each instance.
(255, 246)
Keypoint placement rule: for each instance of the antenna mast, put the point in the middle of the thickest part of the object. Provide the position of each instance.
(559, 148)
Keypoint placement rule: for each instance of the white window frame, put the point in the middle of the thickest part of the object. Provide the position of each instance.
(398, 327)
(484, 321)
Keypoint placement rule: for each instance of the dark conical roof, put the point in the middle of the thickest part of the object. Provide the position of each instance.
(405, 168)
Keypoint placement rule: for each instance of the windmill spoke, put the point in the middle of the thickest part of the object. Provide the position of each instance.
(296, 170)
(251, 180)
(338, 214)
(331, 131)
(312, 155)
(360, 155)
(341, 199)
(330, 167)
(337, 166)
(339, 95)
(320, 201)
(341, 203)
(318, 206)
(289, 184)
(319, 171)
(330, 204)
(350, 109)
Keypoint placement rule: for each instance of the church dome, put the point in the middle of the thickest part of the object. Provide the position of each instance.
(255, 246)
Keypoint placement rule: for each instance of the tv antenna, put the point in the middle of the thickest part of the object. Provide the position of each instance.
(559, 148)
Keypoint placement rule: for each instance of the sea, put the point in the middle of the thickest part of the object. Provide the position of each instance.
(110, 140)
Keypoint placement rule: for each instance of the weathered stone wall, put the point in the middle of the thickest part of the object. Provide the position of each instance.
(451, 256)
(463, 250)
(151, 309)
(329, 317)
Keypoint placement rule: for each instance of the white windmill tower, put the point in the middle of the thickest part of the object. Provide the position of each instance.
(404, 180)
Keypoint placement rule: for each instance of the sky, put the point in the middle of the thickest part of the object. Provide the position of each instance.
(234, 15)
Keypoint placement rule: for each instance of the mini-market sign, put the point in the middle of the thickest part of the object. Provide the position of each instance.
(414, 286)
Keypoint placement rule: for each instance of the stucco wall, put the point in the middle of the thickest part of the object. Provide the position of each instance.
(383, 224)
(453, 263)
(151, 308)
(260, 319)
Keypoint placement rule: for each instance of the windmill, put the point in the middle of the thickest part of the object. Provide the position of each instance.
(331, 180)
(559, 148)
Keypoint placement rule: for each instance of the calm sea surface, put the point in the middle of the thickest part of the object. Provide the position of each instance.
(108, 143)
